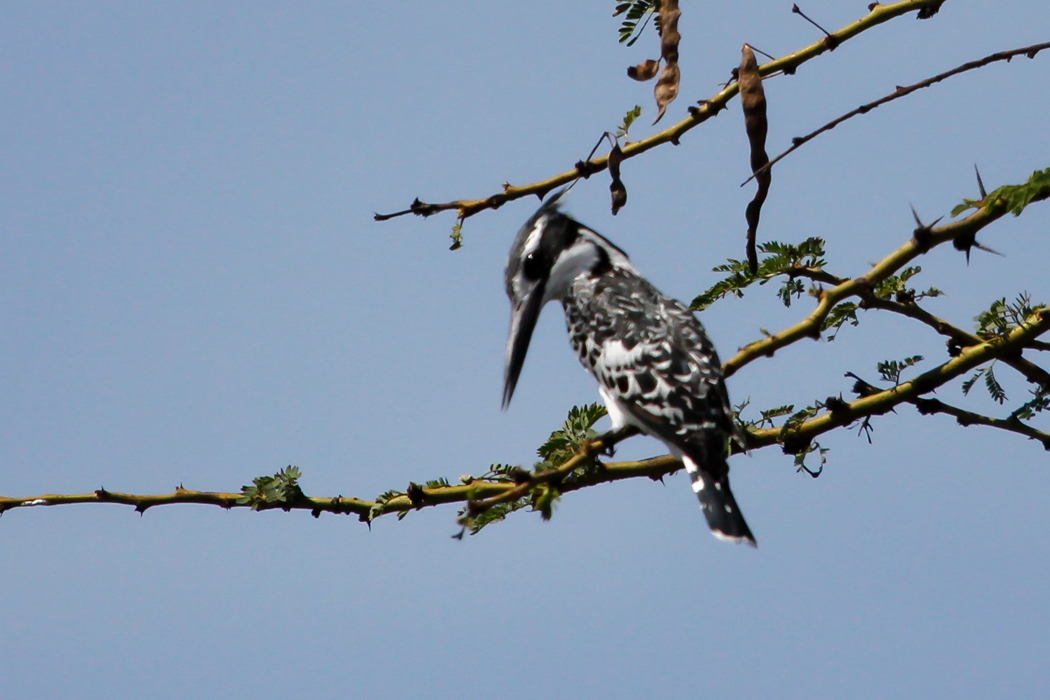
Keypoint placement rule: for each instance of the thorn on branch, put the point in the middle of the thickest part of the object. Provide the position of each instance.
(980, 183)
(830, 40)
(713, 108)
(967, 241)
(862, 388)
(930, 9)
(923, 233)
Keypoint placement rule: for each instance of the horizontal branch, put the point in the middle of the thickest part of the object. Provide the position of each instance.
(493, 492)
(483, 494)
(697, 115)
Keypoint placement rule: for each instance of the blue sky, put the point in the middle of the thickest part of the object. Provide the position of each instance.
(194, 292)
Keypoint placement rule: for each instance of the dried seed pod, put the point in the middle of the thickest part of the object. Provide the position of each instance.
(666, 89)
(617, 188)
(646, 70)
(753, 99)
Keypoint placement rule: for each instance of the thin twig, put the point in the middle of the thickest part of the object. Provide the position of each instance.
(1031, 371)
(966, 418)
(900, 92)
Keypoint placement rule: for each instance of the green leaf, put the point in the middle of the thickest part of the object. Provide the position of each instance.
(968, 384)
(780, 259)
(1040, 402)
(995, 390)
(840, 314)
(628, 119)
(576, 430)
(799, 417)
(770, 414)
(281, 488)
(890, 370)
(1014, 198)
(457, 236)
(635, 9)
(1001, 317)
(494, 514)
(896, 283)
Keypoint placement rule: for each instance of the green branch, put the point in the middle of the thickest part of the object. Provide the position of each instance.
(482, 494)
(799, 436)
(571, 455)
(1031, 371)
(924, 239)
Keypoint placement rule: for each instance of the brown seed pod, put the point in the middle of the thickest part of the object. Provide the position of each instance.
(753, 99)
(617, 188)
(646, 70)
(667, 86)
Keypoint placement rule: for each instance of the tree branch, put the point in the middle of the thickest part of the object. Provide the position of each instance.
(799, 141)
(708, 108)
(924, 239)
(1031, 371)
(796, 438)
(481, 494)
(965, 418)
(492, 493)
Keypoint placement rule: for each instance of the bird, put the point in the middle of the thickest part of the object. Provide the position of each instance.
(655, 366)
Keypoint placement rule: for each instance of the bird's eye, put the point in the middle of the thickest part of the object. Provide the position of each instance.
(532, 268)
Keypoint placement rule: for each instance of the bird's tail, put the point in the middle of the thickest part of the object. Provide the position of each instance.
(723, 515)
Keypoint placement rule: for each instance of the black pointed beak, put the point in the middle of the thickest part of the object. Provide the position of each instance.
(522, 322)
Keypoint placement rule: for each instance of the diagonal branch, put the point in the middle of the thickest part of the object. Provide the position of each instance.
(797, 437)
(1031, 371)
(799, 141)
(924, 239)
(708, 108)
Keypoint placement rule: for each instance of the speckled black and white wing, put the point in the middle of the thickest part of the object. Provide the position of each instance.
(656, 369)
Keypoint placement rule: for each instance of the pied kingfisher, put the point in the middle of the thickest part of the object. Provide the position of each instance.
(655, 367)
